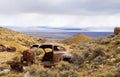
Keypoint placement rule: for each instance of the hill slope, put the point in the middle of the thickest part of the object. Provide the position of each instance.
(17, 37)
(75, 39)
(92, 57)
(99, 57)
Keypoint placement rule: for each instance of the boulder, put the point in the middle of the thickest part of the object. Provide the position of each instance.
(11, 49)
(4, 71)
(27, 74)
(116, 30)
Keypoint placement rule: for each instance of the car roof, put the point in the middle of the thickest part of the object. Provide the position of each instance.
(54, 44)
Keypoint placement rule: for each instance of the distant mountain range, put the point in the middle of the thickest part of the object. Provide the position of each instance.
(46, 28)
(42, 28)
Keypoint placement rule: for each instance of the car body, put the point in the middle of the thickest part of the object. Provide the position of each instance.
(55, 54)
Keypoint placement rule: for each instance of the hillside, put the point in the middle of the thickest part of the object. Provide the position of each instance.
(92, 57)
(99, 57)
(10, 38)
(77, 38)
(19, 38)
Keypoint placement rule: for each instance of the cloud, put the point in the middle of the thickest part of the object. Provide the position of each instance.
(86, 7)
(60, 13)
(33, 19)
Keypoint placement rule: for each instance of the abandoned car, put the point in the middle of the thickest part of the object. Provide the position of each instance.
(53, 53)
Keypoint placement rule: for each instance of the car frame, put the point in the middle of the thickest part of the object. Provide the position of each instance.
(58, 52)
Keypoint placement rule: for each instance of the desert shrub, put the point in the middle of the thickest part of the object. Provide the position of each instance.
(118, 50)
(98, 51)
(72, 46)
(81, 47)
(39, 71)
(89, 54)
(105, 41)
(63, 66)
(46, 73)
(117, 60)
(13, 74)
(66, 69)
(68, 73)
(85, 54)
(116, 42)
(63, 69)
(84, 45)
(111, 36)
(4, 70)
(117, 74)
(114, 74)
(100, 60)
(2, 48)
(110, 75)
(77, 58)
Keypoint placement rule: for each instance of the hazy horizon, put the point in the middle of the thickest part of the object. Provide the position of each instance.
(58, 29)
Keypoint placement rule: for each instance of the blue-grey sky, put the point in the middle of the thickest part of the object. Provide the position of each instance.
(60, 13)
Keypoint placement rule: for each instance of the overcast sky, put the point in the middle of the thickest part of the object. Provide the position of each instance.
(60, 13)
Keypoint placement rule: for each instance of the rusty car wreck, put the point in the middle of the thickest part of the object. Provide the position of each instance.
(53, 53)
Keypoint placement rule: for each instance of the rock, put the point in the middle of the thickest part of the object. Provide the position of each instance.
(116, 30)
(4, 71)
(27, 74)
(11, 49)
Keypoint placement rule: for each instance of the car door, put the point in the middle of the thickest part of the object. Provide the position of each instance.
(58, 51)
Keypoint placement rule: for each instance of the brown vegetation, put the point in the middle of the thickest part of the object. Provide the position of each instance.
(100, 57)
(19, 38)
(76, 39)
(92, 58)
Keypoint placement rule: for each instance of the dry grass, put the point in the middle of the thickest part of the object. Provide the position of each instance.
(92, 57)
(20, 38)
(76, 39)
(18, 46)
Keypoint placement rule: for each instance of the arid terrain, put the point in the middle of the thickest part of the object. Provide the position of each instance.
(98, 57)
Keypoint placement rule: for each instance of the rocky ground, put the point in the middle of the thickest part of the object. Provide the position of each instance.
(92, 57)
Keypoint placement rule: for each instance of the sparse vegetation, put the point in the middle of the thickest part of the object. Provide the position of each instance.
(92, 57)
(19, 38)
(76, 39)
